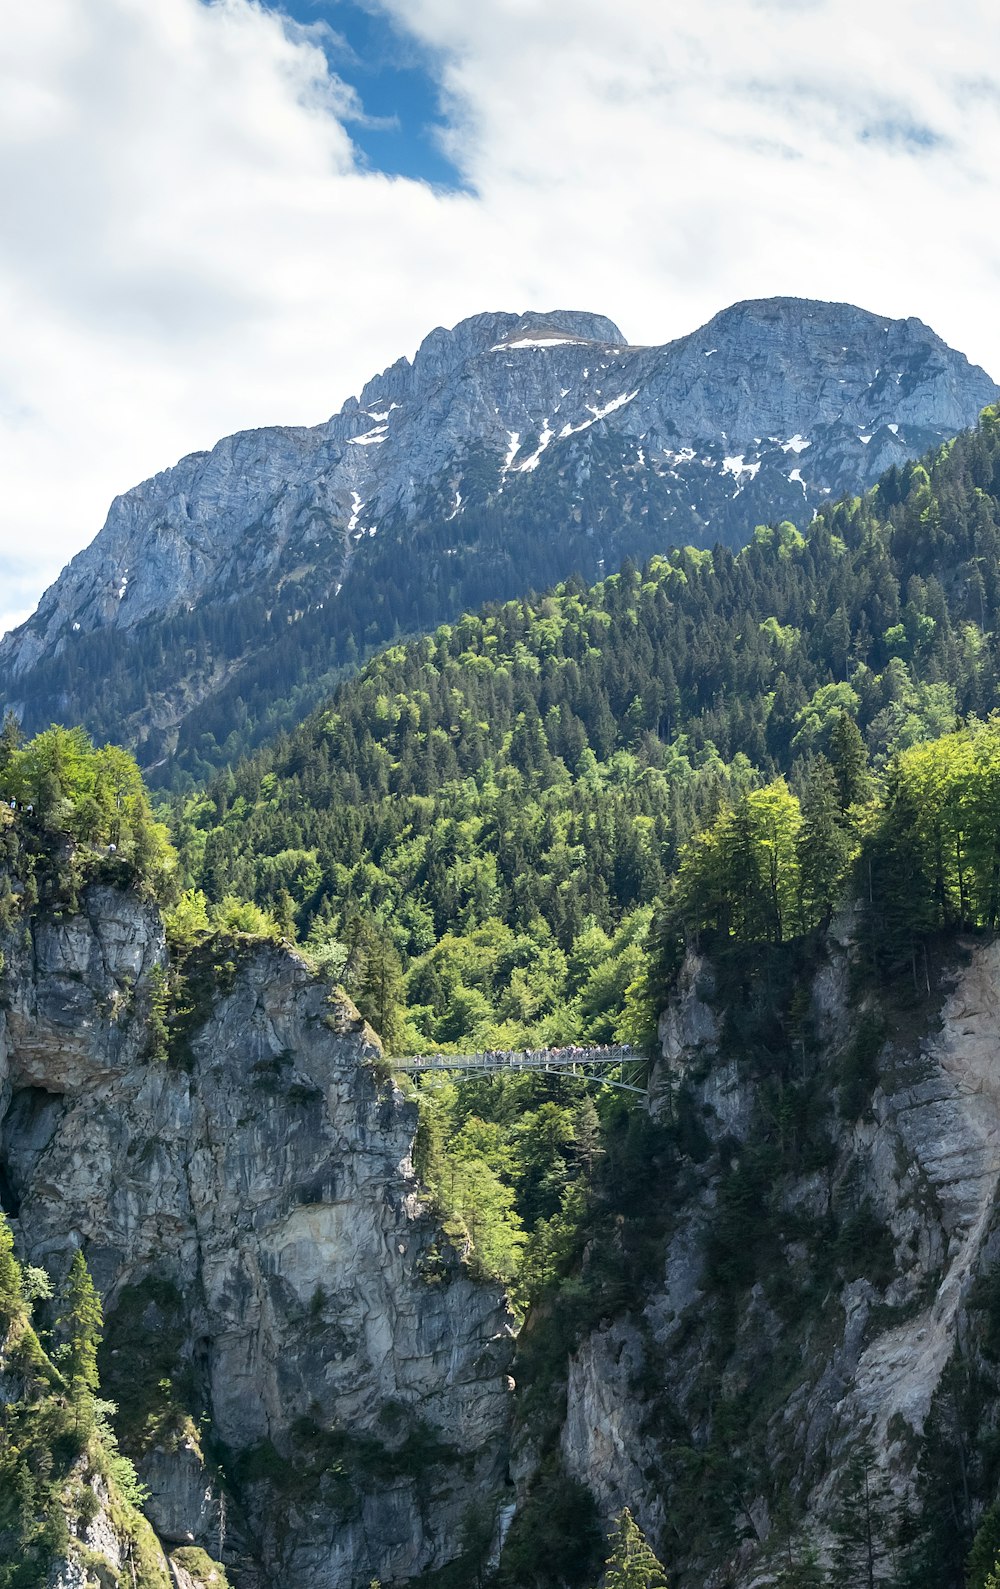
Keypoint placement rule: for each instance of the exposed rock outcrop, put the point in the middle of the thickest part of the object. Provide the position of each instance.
(256, 1206)
(551, 420)
(863, 1356)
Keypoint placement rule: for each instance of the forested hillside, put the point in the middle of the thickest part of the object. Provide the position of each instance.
(485, 818)
(227, 596)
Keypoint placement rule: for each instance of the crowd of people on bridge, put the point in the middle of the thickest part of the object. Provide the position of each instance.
(528, 1058)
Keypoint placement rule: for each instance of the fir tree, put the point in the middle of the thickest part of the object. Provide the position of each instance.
(824, 849)
(632, 1564)
(849, 760)
(864, 1525)
(81, 1321)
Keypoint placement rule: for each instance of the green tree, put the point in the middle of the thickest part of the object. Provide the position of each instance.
(984, 1557)
(864, 1525)
(849, 760)
(631, 1564)
(379, 990)
(81, 1321)
(11, 1300)
(824, 848)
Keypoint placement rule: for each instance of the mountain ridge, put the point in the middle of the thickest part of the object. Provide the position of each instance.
(503, 457)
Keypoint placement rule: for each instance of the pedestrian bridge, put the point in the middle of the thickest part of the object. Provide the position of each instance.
(616, 1065)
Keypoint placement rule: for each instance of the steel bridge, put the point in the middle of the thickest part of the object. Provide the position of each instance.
(615, 1066)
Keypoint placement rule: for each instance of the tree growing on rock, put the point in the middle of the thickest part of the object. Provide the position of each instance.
(81, 1322)
(632, 1564)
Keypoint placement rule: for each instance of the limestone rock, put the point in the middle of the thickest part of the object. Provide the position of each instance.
(763, 414)
(269, 1187)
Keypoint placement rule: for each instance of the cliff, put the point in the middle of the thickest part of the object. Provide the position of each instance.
(824, 1280)
(313, 1387)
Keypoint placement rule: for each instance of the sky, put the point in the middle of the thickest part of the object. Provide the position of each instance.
(223, 213)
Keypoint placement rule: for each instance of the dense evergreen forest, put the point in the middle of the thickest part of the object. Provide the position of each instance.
(264, 658)
(489, 816)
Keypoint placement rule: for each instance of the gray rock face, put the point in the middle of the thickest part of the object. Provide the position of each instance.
(269, 1186)
(927, 1158)
(551, 419)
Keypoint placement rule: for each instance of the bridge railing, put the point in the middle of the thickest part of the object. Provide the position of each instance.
(590, 1063)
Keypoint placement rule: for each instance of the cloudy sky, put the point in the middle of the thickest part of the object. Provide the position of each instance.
(219, 215)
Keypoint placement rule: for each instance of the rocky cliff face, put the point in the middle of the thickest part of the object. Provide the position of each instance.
(513, 451)
(315, 1386)
(766, 1388)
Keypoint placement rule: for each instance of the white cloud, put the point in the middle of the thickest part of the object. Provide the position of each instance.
(190, 244)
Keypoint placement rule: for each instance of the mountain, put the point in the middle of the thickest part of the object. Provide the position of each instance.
(226, 594)
(510, 797)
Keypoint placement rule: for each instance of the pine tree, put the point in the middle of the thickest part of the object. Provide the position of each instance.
(849, 760)
(380, 990)
(864, 1525)
(11, 1300)
(984, 1557)
(632, 1564)
(10, 739)
(824, 849)
(81, 1322)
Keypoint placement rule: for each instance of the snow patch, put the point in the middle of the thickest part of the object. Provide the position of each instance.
(356, 506)
(599, 413)
(514, 442)
(739, 466)
(370, 437)
(739, 469)
(894, 429)
(458, 504)
(795, 443)
(796, 477)
(709, 351)
(543, 441)
(539, 342)
(864, 440)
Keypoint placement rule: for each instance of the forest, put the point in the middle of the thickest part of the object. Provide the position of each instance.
(497, 812)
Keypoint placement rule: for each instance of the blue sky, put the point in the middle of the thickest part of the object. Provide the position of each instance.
(397, 82)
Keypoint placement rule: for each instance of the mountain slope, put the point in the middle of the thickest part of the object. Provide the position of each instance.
(513, 451)
(498, 789)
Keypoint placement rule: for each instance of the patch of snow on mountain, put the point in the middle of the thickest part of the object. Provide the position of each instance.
(539, 342)
(894, 429)
(370, 437)
(458, 504)
(514, 442)
(543, 441)
(356, 506)
(864, 440)
(795, 443)
(798, 480)
(599, 413)
(739, 466)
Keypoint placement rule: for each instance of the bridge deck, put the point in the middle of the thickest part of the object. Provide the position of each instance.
(587, 1064)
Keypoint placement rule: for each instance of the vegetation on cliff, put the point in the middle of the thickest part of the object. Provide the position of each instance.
(70, 815)
(60, 1469)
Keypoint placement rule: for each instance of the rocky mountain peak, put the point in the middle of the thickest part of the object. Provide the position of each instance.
(388, 516)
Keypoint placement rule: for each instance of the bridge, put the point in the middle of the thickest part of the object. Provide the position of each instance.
(608, 1065)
